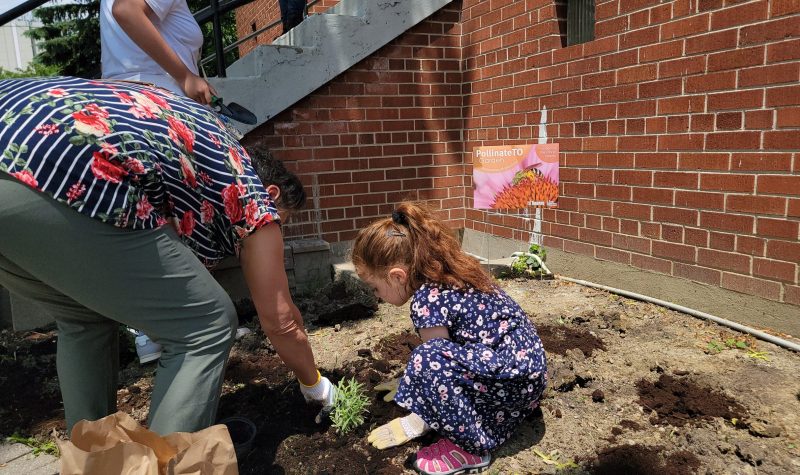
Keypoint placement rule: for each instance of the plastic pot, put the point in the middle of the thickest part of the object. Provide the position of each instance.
(243, 432)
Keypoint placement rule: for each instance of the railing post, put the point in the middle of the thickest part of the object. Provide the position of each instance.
(218, 46)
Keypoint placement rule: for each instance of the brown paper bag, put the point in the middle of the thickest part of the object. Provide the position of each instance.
(117, 444)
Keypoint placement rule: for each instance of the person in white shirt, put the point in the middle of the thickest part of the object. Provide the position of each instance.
(153, 41)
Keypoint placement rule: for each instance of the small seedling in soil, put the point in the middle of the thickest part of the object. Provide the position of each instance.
(349, 406)
(39, 447)
(553, 458)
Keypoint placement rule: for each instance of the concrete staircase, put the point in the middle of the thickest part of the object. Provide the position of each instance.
(273, 77)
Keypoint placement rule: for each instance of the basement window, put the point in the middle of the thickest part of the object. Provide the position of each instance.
(575, 21)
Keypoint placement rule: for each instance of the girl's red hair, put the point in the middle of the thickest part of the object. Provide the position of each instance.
(415, 239)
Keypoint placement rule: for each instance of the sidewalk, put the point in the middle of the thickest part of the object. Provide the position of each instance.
(18, 459)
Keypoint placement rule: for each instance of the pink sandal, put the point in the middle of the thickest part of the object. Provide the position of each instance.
(446, 458)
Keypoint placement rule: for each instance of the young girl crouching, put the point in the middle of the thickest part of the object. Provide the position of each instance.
(481, 367)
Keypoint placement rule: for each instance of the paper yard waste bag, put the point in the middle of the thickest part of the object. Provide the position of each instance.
(117, 444)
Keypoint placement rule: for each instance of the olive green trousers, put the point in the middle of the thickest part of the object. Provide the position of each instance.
(91, 276)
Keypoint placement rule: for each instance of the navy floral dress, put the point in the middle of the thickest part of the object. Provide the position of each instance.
(477, 387)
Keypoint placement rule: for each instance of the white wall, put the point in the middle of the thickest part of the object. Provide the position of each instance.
(16, 49)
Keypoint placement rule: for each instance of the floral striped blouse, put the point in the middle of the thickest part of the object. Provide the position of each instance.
(133, 156)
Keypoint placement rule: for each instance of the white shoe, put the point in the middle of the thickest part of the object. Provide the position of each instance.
(147, 349)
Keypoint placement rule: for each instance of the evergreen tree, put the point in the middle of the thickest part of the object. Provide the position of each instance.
(69, 37)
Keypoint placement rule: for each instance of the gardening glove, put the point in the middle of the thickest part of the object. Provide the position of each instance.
(398, 431)
(324, 392)
(390, 386)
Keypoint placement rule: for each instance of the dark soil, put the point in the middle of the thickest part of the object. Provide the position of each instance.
(642, 460)
(559, 339)
(288, 440)
(680, 401)
(398, 347)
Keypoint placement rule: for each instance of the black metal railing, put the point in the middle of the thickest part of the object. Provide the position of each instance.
(221, 53)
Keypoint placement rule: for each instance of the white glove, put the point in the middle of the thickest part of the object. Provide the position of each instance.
(322, 392)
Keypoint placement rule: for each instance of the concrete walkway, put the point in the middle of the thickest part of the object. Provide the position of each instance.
(18, 459)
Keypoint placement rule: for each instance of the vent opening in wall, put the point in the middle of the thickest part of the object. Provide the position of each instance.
(575, 21)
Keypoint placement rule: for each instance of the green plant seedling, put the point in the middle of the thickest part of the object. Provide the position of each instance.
(715, 347)
(758, 355)
(553, 458)
(349, 406)
(39, 447)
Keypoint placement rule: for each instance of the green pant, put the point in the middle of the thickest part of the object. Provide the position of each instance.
(91, 276)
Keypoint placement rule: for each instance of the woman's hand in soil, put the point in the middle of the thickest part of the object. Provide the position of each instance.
(323, 392)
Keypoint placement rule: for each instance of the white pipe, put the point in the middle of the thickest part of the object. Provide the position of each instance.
(680, 308)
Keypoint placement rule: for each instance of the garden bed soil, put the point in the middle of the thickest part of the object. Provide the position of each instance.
(634, 388)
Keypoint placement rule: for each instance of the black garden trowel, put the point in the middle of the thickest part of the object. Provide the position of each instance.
(234, 111)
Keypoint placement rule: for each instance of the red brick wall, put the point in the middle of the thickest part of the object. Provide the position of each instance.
(679, 128)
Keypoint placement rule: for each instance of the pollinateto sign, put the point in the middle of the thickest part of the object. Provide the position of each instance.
(515, 176)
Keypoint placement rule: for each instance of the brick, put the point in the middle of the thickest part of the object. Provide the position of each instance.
(791, 294)
(782, 140)
(695, 237)
(662, 266)
(783, 7)
(633, 177)
(726, 221)
(703, 161)
(714, 41)
(650, 230)
(614, 255)
(675, 215)
(579, 248)
(767, 75)
(750, 245)
(751, 286)
(681, 105)
(775, 270)
(656, 160)
(685, 27)
(723, 260)
(794, 208)
(783, 51)
(676, 179)
(661, 51)
(720, 81)
(667, 87)
(653, 195)
(739, 15)
(595, 236)
(737, 100)
(782, 96)
(788, 251)
(630, 210)
(756, 204)
(631, 227)
(769, 162)
(672, 251)
(613, 192)
(737, 59)
(655, 125)
(760, 119)
(774, 30)
(699, 200)
(779, 184)
(729, 121)
(789, 117)
(722, 241)
(682, 67)
(696, 273)
(672, 233)
(780, 228)
(746, 140)
(632, 243)
(727, 182)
